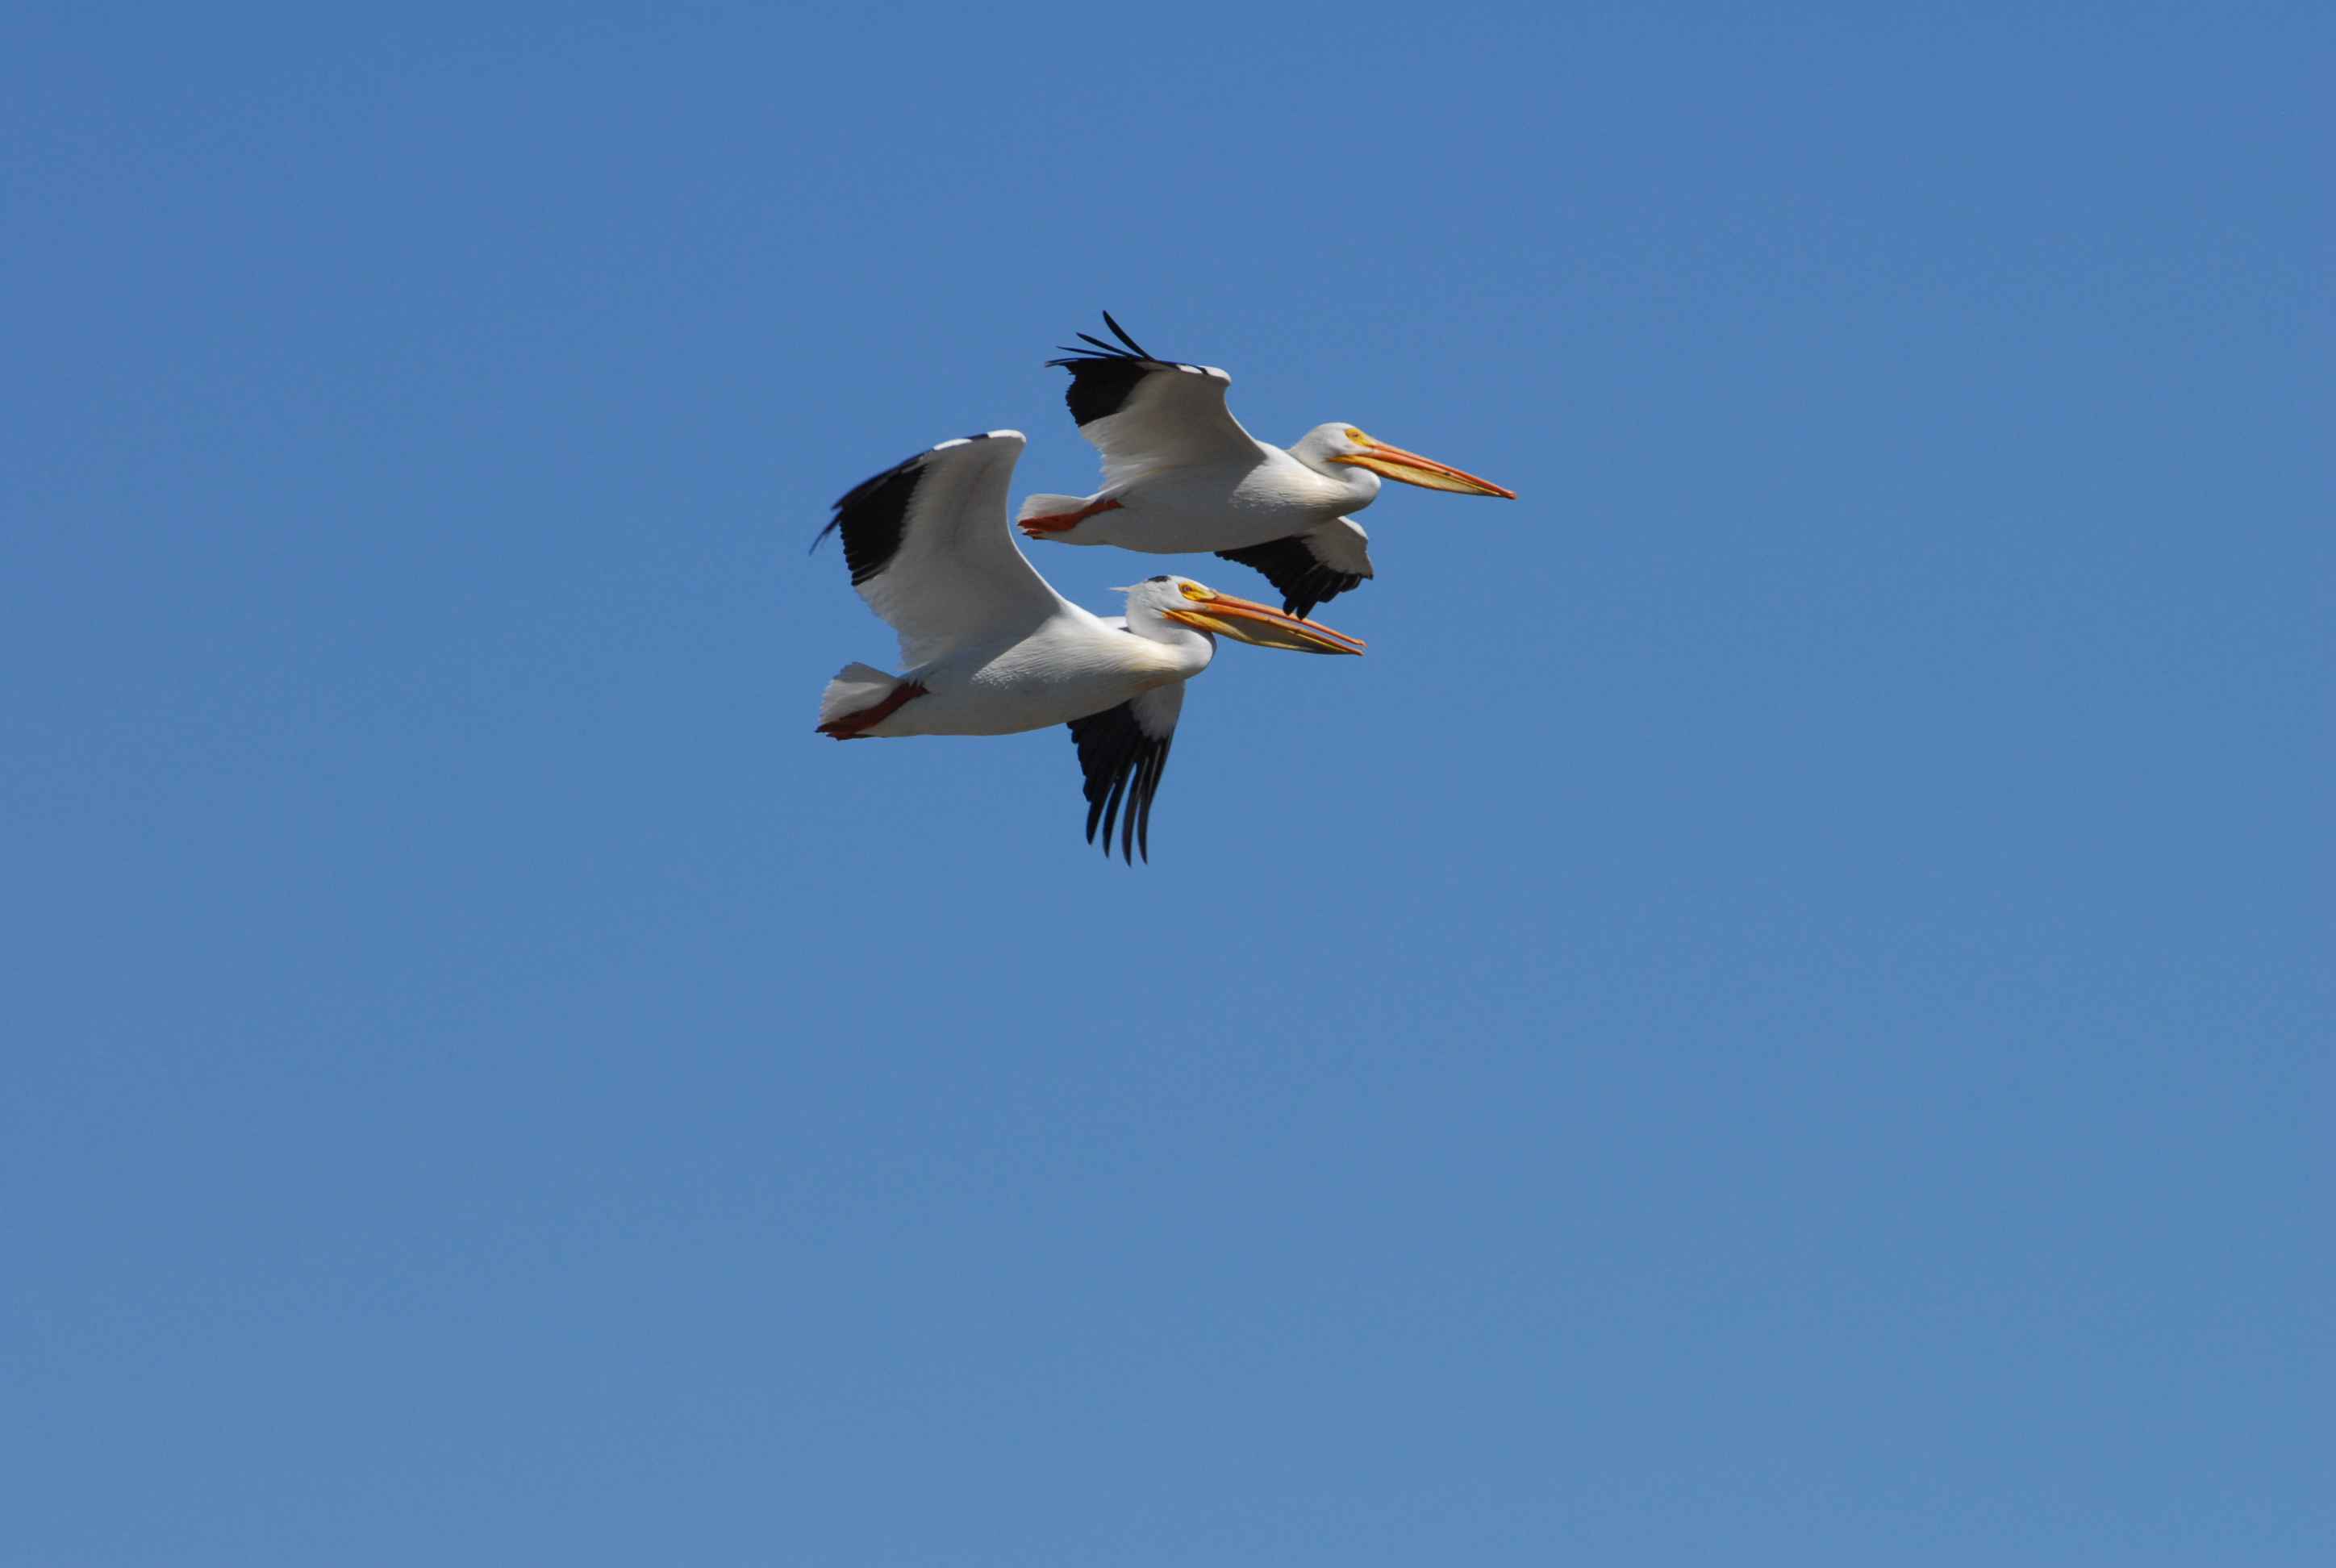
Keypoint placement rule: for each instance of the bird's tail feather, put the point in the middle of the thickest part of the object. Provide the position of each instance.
(1051, 516)
(856, 689)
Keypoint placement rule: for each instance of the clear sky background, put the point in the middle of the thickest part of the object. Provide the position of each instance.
(1782, 1014)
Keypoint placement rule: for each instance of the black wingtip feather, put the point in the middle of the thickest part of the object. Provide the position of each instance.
(1123, 767)
(873, 515)
(1127, 348)
(1120, 333)
(1289, 566)
(1104, 376)
(1159, 765)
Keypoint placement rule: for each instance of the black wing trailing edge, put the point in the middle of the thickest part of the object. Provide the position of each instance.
(1103, 376)
(1118, 758)
(874, 515)
(1297, 572)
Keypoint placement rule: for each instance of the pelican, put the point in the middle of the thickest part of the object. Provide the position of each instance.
(1181, 474)
(992, 648)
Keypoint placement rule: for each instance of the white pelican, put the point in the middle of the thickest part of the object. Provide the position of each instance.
(992, 650)
(1181, 474)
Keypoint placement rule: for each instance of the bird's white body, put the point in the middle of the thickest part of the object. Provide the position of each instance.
(1233, 502)
(1070, 665)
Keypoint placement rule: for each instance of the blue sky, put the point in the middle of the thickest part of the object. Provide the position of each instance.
(1783, 1013)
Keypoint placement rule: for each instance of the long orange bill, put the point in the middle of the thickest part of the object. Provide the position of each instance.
(1410, 468)
(1264, 626)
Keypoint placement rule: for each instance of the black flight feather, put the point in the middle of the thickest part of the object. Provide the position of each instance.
(1102, 377)
(1292, 568)
(872, 515)
(1120, 762)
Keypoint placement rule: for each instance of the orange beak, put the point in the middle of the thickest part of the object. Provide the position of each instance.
(1261, 625)
(1410, 468)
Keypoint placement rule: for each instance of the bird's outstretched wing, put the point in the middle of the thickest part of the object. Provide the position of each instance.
(1313, 567)
(932, 550)
(1144, 415)
(1123, 751)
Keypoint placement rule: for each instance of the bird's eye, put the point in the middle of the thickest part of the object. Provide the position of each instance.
(1193, 590)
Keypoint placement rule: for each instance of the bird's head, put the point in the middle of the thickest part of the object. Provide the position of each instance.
(1180, 602)
(1328, 447)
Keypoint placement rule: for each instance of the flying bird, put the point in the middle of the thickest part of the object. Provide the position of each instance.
(1181, 474)
(990, 649)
